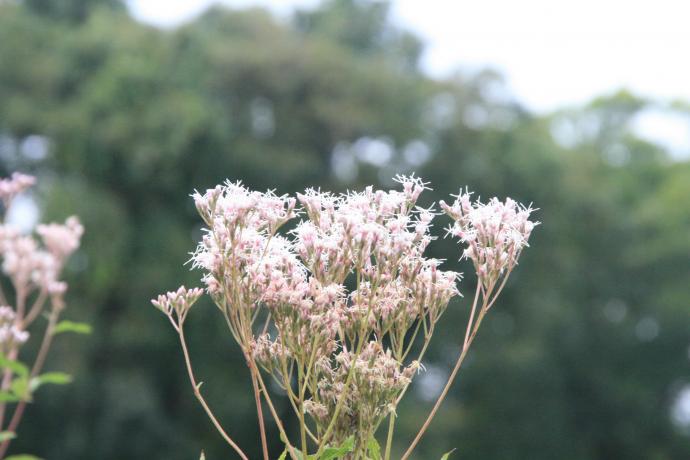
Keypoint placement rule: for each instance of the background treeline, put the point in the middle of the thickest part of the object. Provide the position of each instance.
(584, 358)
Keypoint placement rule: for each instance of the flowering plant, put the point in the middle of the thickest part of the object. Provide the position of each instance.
(339, 311)
(33, 271)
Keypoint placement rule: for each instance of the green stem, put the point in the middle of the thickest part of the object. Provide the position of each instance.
(300, 414)
(279, 424)
(201, 399)
(466, 346)
(259, 412)
(389, 438)
(35, 369)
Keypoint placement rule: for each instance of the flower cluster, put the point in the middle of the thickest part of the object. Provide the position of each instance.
(33, 265)
(241, 226)
(11, 335)
(30, 266)
(179, 301)
(352, 270)
(377, 381)
(495, 233)
(13, 186)
(331, 309)
(61, 240)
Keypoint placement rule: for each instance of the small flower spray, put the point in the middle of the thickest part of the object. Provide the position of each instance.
(332, 310)
(33, 267)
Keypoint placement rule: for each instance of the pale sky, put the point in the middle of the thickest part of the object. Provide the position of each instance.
(552, 53)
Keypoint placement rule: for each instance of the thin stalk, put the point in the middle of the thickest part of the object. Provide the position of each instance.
(260, 414)
(35, 369)
(342, 398)
(7, 377)
(6, 380)
(201, 399)
(302, 389)
(409, 346)
(500, 288)
(451, 379)
(3, 298)
(350, 374)
(21, 302)
(389, 438)
(35, 309)
(292, 398)
(474, 308)
(264, 390)
(409, 450)
(391, 421)
(300, 414)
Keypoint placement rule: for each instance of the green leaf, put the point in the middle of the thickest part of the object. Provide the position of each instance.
(332, 453)
(15, 366)
(20, 388)
(287, 449)
(329, 453)
(23, 457)
(374, 449)
(6, 396)
(445, 456)
(52, 378)
(7, 435)
(71, 326)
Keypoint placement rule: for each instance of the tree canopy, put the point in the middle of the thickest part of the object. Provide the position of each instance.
(584, 358)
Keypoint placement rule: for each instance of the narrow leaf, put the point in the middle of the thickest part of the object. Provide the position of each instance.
(287, 448)
(55, 378)
(15, 366)
(7, 435)
(6, 396)
(374, 449)
(20, 388)
(445, 456)
(52, 378)
(283, 456)
(72, 326)
(332, 453)
(22, 457)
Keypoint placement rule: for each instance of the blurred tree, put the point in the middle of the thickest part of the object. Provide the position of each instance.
(71, 10)
(585, 355)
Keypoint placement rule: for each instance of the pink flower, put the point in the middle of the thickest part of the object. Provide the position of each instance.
(14, 185)
(495, 233)
(179, 301)
(61, 240)
(10, 333)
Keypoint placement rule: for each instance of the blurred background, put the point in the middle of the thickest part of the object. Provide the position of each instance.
(123, 109)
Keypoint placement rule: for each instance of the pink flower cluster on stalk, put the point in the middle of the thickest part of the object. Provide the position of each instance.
(177, 302)
(495, 233)
(12, 186)
(332, 310)
(33, 267)
(11, 335)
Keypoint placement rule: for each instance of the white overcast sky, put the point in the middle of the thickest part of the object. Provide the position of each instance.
(552, 53)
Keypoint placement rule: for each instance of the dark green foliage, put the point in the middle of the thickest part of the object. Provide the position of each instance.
(137, 118)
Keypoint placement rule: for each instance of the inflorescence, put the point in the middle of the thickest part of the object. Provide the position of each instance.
(332, 309)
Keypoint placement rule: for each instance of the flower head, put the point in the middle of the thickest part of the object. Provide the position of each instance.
(61, 240)
(179, 301)
(495, 233)
(11, 335)
(14, 185)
